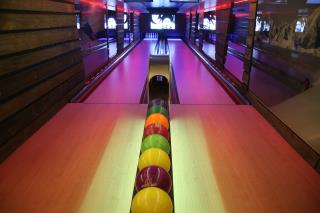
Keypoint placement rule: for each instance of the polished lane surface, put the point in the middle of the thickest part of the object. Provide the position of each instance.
(229, 159)
(126, 82)
(194, 82)
(83, 160)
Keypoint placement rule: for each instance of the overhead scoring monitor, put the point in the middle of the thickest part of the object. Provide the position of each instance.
(162, 21)
(209, 23)
(300, 25)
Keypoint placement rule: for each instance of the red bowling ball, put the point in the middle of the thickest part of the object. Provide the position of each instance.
(153, 176)
(156, 128)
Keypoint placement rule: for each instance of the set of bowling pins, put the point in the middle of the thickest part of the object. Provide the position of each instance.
(129, 36)
(151, 35)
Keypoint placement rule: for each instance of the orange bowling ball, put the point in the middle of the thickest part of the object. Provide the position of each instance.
(157, 118)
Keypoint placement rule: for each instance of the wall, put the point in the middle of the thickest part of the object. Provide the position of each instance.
(274, 64)
(92, 19)
(285, 72)
(239, 27)
(40, 66)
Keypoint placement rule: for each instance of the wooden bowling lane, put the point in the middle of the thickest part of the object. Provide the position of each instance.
(83, 160)
(229, 159)
(195, 84)
(126, 82)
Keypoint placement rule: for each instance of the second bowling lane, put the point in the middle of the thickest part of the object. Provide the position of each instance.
(195, 84)
(126, 82)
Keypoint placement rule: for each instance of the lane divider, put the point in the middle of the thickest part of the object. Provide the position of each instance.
(153, 191)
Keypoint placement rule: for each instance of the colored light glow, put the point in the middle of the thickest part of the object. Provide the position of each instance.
(226, 5)
(94, 4)
(240, 15)
(219, 7)
(137, 13)
(120, 9)
(242, 1)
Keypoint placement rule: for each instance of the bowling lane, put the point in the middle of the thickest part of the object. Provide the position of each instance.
(83, 160)
(194, 82)
(126, 82)
(229, 159)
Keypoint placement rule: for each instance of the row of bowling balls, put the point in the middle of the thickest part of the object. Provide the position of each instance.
(153, 182)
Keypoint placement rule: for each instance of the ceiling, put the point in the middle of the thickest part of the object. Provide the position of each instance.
(145, 6)
(161, 4)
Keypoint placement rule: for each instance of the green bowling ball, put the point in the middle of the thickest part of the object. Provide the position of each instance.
(158, 109)
(155, 141)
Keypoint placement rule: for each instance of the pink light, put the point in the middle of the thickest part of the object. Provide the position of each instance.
(137, 13)
(120, 9)
(239, 15)
(242, 1)
(93, 3)
(220, 6)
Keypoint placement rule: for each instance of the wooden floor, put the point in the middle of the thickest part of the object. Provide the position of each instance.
(229, 159)
(83, 160)
(225, 159)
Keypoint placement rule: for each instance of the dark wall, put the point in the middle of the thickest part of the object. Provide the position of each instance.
(239, 27)
(145, 19)
(40, 66)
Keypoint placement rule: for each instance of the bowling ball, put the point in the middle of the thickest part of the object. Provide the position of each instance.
(160, 102)
(151, 200)
(157, 118)
(156, 128)
(158, 109)
(154, 157)
(155, 141)
(153, 176)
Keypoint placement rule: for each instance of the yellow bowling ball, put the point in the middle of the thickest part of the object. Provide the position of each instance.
(154, 157)
(151, 200)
